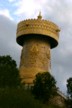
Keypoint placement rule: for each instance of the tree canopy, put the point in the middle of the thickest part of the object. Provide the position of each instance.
(69, 87)
(9, 74)
(69, 92)
(44, 86)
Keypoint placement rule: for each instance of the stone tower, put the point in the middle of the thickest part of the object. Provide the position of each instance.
(37, 37)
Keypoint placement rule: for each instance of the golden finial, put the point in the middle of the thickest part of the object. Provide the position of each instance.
(39, 16)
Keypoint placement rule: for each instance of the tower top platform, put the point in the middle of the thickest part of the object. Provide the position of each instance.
(38, 28)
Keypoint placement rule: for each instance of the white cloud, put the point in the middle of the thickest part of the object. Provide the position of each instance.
(6, 13)
(11, 0)
(49, 8)
(8, 45)
(29, 8)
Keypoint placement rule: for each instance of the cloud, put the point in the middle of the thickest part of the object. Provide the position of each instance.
(6, 13)
(8, 44)
(27, 8)
(11, 1)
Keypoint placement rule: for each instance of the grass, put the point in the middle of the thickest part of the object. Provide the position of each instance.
(19, 98)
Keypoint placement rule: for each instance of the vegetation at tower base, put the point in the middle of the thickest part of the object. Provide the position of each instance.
(11, 94)
(9, 74)
(44, 87)
(69, 92)
(20, 98)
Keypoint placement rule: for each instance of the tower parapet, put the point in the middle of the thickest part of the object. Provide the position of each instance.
(38, 27)
(37, 36)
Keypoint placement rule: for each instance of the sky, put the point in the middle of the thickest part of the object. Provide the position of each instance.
(57, 11)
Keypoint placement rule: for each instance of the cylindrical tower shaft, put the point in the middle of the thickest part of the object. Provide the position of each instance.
(35, 58)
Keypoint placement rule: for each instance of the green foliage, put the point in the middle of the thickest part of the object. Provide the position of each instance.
(69, 87)
(69, 92)
(9, 74)
(19, 98)
(44, 86)
(69, 103)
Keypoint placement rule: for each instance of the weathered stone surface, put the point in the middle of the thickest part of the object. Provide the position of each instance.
(58, 100)
(35, 58)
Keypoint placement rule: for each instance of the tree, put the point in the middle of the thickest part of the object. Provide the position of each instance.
(69, 92)
(9, 74)
(69, 87)
(44, 86)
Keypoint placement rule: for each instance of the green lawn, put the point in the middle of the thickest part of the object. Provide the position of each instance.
(19, 98)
